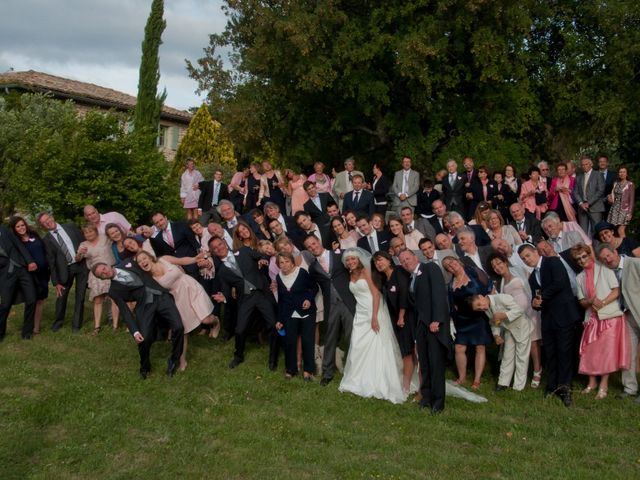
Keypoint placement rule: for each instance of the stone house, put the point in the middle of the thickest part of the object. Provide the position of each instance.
(87, 96)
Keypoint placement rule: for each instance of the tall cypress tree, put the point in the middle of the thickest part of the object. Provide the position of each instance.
(149, 103)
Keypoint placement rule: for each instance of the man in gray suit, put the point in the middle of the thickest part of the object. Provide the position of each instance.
(406, 184)
(627, 270)
(589, 196)
(343, 182)
(558, 238)
(421, 224)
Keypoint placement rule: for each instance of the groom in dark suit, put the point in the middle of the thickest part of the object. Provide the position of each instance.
(327, 270)
(61, 243)
(553, 297)
(428, 294)
(239, 272)
(154, 304)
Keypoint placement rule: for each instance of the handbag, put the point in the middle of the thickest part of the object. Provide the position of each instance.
(541, 198)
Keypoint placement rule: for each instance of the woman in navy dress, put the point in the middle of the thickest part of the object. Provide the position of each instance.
(35, 247)
(472, 328)
(296, 314)
(395, 281)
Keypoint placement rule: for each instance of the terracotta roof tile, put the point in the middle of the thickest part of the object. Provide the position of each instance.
(80, 91)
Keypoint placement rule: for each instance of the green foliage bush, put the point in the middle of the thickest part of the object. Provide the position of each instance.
(53, 159)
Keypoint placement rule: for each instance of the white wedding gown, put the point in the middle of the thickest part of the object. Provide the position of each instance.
(374, 364)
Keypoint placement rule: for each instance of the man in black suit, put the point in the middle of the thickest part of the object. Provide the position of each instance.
(61, 243)
(327, 270)
(359, 200)
(316, 206)
(211, 192)
(425, 199)
(322, 232)
(552, 295)
(15, 265)
(439, 215)
(428, 295)
(372, 241)
(175, 239)
(525, 223)
(154, 304)
(240, 276)
(289, 223)
(469, 252)
(453, 189)
(228, 218)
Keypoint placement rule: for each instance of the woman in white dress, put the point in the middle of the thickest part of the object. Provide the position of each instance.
(374, 364)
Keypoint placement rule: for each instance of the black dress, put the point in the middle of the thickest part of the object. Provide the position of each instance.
(253, 189)
(472, 328)
(41, 276)
(396, 295)
(275, 194)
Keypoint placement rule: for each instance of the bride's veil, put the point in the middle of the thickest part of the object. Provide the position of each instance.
(362, 254)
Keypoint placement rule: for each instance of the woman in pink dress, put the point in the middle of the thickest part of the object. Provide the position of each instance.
(296, 191)
(605, 346)
(324, 182)
(533, 194)
(97, 249)
(560, 194)
(193, 303)
(188, 195)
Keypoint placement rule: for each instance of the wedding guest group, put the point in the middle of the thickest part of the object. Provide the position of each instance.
(416, 279)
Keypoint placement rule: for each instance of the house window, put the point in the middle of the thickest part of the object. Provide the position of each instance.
(162, 136)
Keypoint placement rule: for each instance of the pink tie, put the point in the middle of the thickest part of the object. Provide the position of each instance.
(169, 238)
(323, 263)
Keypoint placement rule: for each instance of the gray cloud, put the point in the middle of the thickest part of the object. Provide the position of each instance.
(101, 39)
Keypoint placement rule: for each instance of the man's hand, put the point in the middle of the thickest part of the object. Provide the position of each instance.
(32, 267)
(434, 327)
(499, 340)
(59, 290)
(138, 337)
(306, 305)
(219, 297)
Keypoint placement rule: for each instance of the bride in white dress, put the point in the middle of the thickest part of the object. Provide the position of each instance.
(374, 363)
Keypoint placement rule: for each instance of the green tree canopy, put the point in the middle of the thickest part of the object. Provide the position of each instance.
(502, 81)
(51, 158)
(207, 143)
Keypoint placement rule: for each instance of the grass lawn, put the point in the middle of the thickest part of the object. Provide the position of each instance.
(72, 406)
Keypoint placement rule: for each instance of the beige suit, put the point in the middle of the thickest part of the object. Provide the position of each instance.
(517, 340)
(342, 185)
(630, 287)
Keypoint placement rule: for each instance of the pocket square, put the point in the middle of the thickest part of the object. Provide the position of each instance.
(392, 289)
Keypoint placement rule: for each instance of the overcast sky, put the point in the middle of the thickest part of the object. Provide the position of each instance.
(99, 41)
